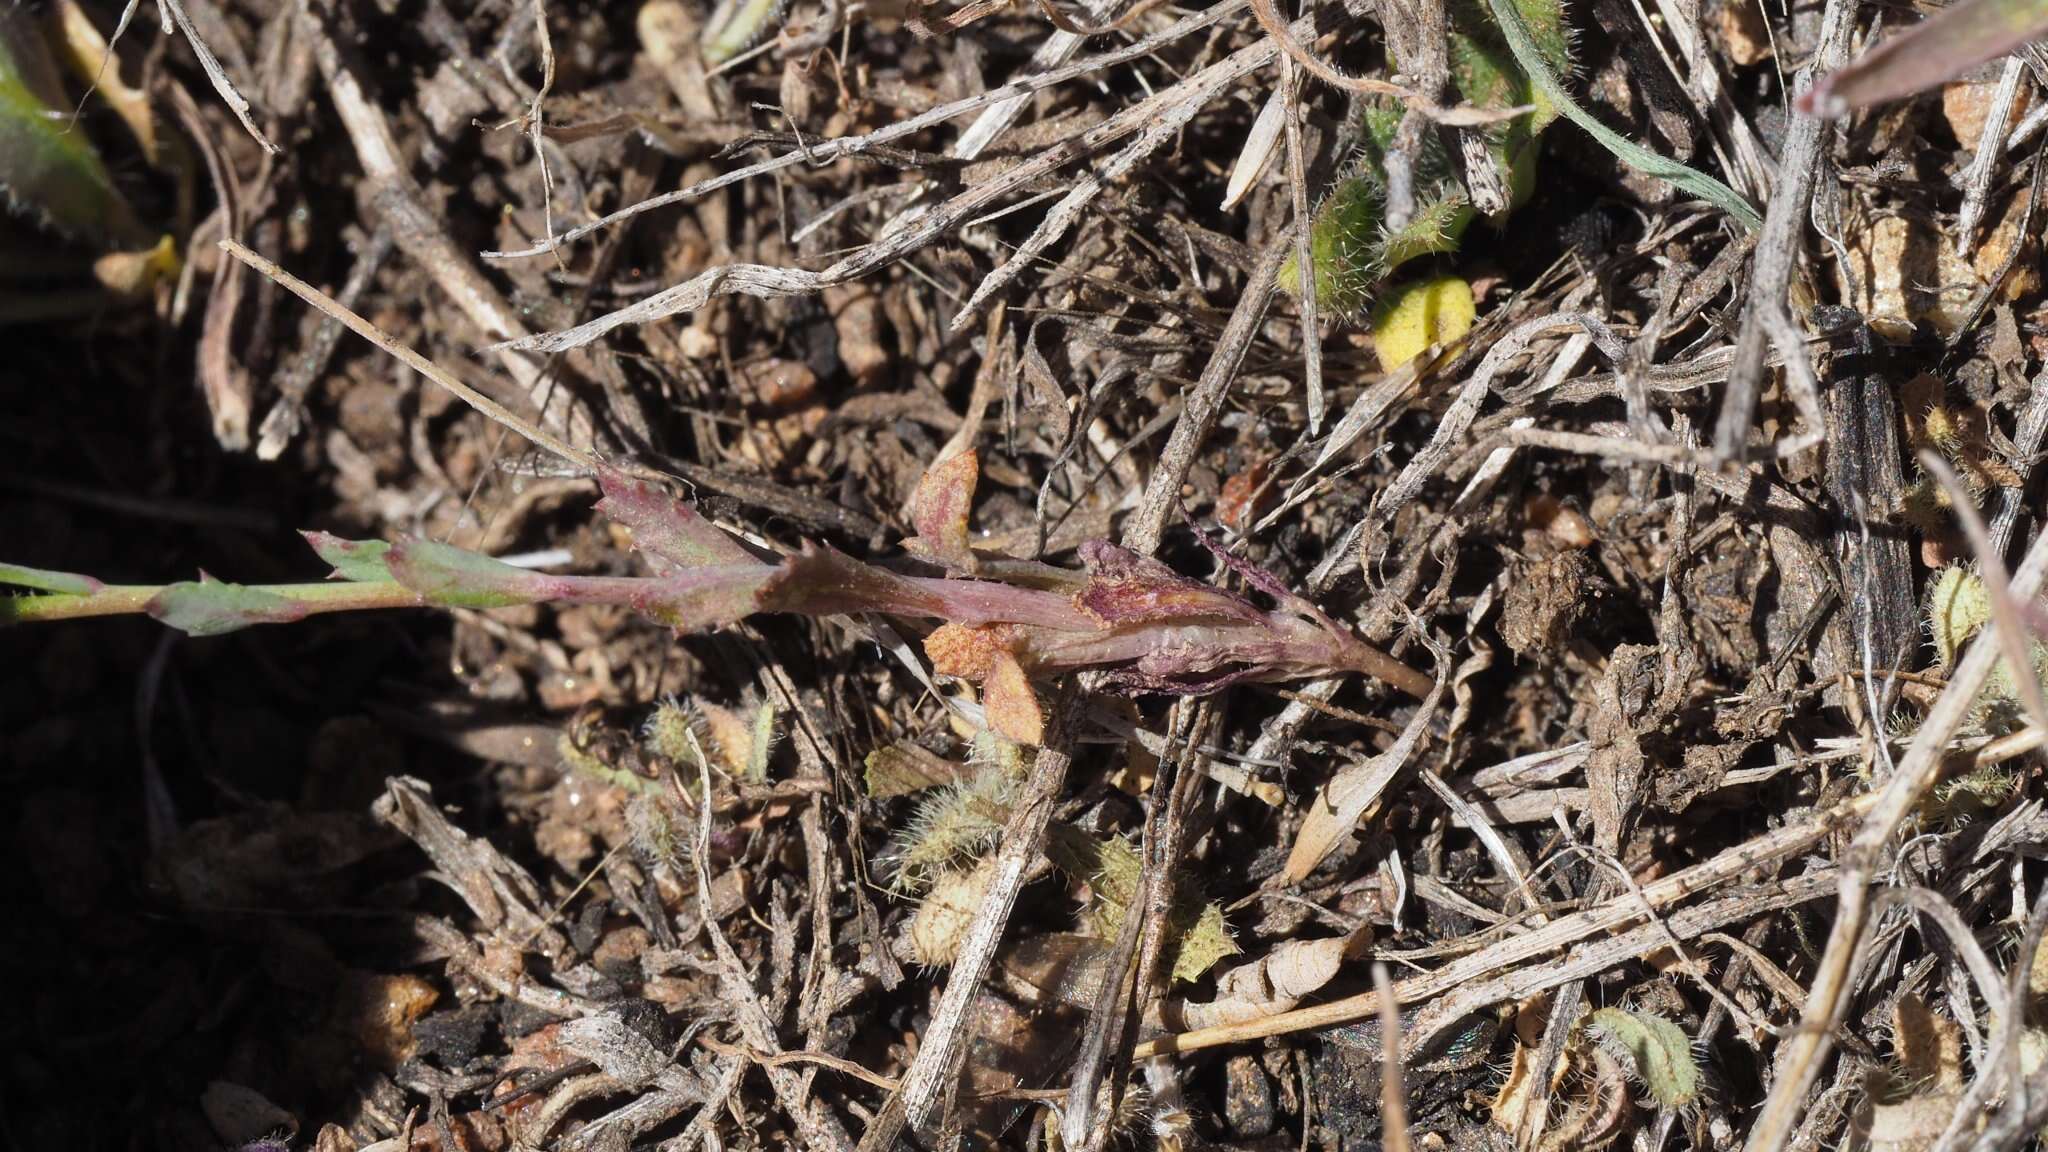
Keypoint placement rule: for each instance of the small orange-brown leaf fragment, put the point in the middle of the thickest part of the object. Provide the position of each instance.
(966, 651)
(939, 508)
(1242, 499)
(379, 1010)
(1011, 705)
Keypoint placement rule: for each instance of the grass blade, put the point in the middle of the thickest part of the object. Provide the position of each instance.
(1523, 45)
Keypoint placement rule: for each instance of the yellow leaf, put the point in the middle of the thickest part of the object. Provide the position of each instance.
(1414, 316)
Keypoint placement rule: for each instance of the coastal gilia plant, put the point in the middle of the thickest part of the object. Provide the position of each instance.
(1146, 627)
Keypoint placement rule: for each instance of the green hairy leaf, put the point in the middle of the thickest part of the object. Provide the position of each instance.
(1659, 1050)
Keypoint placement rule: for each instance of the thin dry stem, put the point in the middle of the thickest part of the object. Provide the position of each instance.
(418, 363)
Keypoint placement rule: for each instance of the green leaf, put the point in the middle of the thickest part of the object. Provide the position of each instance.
(1436, 226)
(358, 560)
(1530, 56)
(48, 169)
(212, 607)
(746, 23)
(1198, 936)
(44, 580)
(1659, 1049)
(457, 578)
(1485, 68)
(1342, 245)
(763, 744)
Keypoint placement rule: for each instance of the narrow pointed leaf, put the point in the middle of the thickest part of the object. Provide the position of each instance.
(358, 560)
(1530, 56)
(213, 607)
(1933, 52)
(44, 580)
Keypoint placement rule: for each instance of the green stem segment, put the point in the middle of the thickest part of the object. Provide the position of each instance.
(145, 600)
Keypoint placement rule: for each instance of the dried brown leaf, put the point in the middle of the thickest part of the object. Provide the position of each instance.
(1354, 789)
(939, 509)
(1273, 983)
(1011, 705)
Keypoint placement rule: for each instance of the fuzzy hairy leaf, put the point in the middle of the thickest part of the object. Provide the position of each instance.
(1436, 226)
(671, 729)
(1485, 68)
(1928, 1047)
(953, 827)
(1659, 1051)
(744, 22)
(761, 742)
(1342, 246)
(903, 767)
(1958, 607)
(1198, 936)
(1352, 248)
